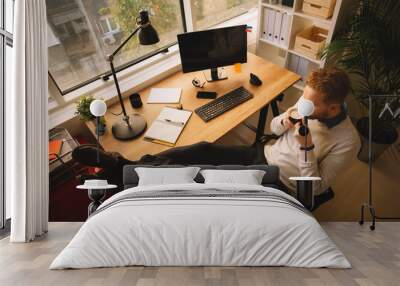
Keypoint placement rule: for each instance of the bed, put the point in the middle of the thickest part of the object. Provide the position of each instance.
(201, 224)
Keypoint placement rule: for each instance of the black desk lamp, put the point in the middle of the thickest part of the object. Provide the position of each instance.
(131, 127)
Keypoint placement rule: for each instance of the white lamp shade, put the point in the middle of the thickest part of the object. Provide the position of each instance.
(305, 107)
(98, 107)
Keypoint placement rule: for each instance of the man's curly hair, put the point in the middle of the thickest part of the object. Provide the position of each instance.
(332, 83)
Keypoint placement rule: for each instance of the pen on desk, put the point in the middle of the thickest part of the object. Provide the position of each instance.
(174, 122)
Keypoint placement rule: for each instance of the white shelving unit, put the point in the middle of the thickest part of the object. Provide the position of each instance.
(298, 21)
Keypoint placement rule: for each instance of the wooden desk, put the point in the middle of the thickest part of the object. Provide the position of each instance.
(275, 80)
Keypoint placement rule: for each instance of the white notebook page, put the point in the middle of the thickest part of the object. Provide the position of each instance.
(168, 125)
(165, 95)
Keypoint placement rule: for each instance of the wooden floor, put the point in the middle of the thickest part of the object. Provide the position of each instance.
(375, 257)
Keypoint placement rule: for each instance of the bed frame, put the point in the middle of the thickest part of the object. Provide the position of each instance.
(270, 179)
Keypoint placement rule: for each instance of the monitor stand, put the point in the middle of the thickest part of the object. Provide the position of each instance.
(216, 74)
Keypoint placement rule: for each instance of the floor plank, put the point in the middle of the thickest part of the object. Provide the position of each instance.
(375, 257)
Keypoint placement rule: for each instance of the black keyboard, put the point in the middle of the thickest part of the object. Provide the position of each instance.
(224, 103)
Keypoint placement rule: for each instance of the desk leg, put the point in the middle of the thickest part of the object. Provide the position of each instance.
(275, 109)
(262, 119)
(96, 196)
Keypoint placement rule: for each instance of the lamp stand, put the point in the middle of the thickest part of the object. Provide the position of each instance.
(130, 126)
(98, 138)
(307, 131)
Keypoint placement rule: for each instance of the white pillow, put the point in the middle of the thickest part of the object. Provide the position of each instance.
(248, 177)
(166, 176)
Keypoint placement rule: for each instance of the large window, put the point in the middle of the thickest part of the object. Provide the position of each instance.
(82, 32)
(208, 13)
(6, 29)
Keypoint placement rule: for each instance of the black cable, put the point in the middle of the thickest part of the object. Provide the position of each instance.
(115, 114)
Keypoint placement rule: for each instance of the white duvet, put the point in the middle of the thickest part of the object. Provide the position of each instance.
(200, 231)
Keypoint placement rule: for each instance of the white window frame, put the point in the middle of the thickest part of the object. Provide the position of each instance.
(136, 77)
(110, 30)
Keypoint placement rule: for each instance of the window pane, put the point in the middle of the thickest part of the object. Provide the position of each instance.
(113, 26)
(104, 26)
(207, 13)
(9, 12)
(82, 32)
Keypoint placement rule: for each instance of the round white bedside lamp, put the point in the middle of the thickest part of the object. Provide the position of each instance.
(305, 107)
(98, 108)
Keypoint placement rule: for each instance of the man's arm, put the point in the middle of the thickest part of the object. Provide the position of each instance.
(328, 169)
(281, 123)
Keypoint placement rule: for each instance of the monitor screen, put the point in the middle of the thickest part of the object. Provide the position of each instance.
(213, 48)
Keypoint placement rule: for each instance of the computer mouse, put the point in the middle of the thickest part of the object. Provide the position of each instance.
(135, 100)
(254, 80)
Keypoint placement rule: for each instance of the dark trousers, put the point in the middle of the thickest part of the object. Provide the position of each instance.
(202, 153)
(205, 153)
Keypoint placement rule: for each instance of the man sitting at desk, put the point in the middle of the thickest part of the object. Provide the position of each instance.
(332, 141)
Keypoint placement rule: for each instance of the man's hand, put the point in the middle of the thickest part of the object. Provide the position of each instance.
(302, 139)
(286, 121)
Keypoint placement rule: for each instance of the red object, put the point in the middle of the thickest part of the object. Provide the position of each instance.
(66, 203)
(54, 148)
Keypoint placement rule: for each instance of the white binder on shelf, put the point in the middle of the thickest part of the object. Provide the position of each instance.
(265, 24)
(302, 68)
(284, 30)
(270, 27)
(294, 63)
(277, 26)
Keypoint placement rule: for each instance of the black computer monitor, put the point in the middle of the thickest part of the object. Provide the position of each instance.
(213, 48)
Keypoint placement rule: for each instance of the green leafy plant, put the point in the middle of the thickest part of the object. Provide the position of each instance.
(83, 108)
(368, 48)
(163, 15)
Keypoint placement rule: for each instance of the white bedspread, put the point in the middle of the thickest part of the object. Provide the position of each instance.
(200, 231)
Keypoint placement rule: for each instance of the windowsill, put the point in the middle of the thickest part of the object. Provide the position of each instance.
(137, 77)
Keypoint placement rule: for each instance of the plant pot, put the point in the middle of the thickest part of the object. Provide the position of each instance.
(383, 135)
(100, 127)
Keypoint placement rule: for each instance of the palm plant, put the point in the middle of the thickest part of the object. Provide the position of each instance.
(368, 48)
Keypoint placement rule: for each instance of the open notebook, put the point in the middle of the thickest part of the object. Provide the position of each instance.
(168, 126)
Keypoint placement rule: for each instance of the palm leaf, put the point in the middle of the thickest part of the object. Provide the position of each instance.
(368, 49)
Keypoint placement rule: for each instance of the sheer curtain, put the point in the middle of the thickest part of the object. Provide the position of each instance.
(26, 129)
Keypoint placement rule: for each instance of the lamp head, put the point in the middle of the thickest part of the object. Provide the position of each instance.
(147, 34)
(305, 107)
(98, 108)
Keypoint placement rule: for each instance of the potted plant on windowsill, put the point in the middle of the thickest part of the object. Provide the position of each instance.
(83, 111)
(368, 48)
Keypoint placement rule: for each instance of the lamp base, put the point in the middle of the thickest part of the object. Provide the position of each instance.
(129, 128)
